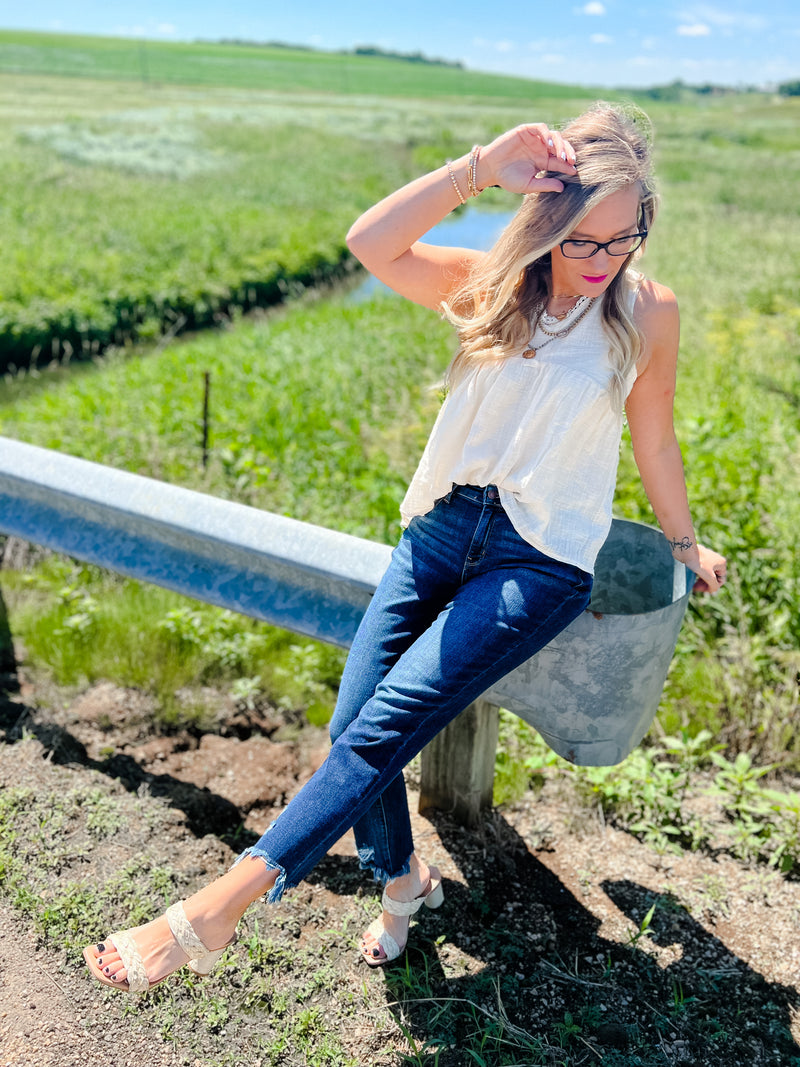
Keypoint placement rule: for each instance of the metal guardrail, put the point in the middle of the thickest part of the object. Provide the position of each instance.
(304, 578)
(591, 693)
(295, 575)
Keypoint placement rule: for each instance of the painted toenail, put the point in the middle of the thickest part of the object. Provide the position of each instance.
(108, 970)
(101, 947)
(100, 963)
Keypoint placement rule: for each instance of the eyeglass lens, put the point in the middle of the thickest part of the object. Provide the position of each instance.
(621, 246)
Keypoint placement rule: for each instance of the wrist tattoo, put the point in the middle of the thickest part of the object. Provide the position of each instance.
(681, 546)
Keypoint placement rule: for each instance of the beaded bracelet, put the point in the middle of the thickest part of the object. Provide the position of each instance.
(455, 183)
(472, 170)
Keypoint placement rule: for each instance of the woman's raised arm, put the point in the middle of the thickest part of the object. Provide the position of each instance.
(386, 238)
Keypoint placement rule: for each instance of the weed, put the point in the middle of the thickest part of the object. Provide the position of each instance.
(644, 926)
(103, 817)
(648, 794)
(567, 1030)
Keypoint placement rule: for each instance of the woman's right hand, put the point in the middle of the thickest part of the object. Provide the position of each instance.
(513, 159)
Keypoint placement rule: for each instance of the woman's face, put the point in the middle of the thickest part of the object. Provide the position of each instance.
(615, 216)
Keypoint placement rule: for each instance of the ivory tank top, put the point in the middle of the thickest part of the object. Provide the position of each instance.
(544, 431)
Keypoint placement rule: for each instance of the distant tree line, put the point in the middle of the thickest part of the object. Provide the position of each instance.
(678, 90)
(407, 57)
(244, 43)
(359, 50)
(673, 92)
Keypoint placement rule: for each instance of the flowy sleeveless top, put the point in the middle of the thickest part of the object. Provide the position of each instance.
(545, 431)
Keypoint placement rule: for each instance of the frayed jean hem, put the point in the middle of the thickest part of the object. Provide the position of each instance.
(273, 895)
(366, 859)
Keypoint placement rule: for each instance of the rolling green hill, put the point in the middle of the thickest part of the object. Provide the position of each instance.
(284, 69)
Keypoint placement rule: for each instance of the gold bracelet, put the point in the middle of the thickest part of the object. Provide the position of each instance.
(455, 183)
(472, 170)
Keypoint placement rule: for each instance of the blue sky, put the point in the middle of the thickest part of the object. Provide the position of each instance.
(589, 42)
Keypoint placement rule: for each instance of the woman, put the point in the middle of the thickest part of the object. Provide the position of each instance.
(505, 515)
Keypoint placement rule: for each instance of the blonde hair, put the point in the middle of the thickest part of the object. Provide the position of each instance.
(496, 309)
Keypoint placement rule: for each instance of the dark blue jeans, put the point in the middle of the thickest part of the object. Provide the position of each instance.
(464, 600)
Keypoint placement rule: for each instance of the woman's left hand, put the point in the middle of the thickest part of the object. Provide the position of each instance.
(711, 569)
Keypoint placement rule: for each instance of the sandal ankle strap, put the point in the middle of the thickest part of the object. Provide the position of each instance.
(404, 907)
(184, 934)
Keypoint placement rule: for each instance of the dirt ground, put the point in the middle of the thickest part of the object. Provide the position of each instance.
(544, 892)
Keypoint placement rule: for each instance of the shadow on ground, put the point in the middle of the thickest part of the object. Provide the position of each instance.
(545, 978)
(514, 964)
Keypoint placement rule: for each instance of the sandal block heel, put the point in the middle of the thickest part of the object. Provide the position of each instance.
(435, 898)
(203, 967)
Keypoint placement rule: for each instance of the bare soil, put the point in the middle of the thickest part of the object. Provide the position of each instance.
(543, 898)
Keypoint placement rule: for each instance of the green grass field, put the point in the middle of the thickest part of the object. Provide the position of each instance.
(150, 188)
(283, 69)
(153, 188)
(170, 202)
(320, 410)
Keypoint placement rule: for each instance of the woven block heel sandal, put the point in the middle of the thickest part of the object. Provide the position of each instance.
(201, 959)
(432, 897)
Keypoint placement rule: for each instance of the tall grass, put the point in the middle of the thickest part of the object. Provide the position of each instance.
(101, 252)
(321, 410)
(318, 410)
(728, 243)
(133, 209)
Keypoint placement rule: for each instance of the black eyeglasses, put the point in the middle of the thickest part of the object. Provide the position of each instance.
(620, 246)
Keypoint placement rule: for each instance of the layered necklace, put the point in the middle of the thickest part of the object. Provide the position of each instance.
(570, 319)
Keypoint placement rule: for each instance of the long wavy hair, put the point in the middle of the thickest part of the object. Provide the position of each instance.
(496, 310)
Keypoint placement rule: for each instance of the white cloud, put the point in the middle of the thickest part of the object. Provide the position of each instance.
(594, 7)
(553, 59)
(166, 28)
(601, 38)
(728, 20)
(694, 29)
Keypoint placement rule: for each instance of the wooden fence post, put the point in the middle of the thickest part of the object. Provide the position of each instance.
(458, 765)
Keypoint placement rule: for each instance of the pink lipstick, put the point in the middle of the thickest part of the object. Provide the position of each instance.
(594, 279)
